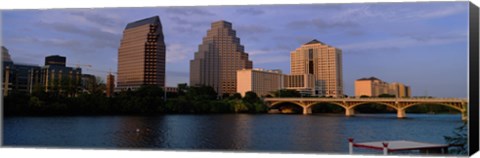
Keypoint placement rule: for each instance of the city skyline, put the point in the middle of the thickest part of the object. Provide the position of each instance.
(433, 41)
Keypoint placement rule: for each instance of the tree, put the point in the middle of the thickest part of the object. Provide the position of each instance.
(235, 96)
(182, 89)
(287, 93)
(459, 140)
(251, 97)
(225, 95)
(201, 93)
(386, 96)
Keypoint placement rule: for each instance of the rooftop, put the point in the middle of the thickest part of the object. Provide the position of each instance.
(150, 20)
(370, 78)
(314, 41)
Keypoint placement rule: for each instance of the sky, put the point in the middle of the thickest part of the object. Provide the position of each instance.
(423, 44)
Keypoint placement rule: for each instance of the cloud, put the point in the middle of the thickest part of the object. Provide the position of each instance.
(188, 11)
(403, 42)
(178, 73)
(321, 24)
(249, 11)
(271, 59)
(97, 18)
(177, 52)
(74, 45)
(252, 29)
(99, 38)
(182, 25)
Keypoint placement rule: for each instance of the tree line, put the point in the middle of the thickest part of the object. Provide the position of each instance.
(146, 100)
(149, 100)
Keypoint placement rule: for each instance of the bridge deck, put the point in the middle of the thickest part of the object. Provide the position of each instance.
(399, 145)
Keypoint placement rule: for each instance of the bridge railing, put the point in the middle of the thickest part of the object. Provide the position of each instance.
(371, 99)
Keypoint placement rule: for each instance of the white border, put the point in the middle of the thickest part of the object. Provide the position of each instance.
(48, 4)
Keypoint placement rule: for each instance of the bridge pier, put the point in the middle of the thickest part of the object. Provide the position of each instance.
(464, 116)
(349, 112)
(401, 113)
(307, 110)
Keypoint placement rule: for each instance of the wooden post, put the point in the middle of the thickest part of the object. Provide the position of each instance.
(350, 146)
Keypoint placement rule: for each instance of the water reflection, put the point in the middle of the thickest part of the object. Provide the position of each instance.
(233, 132)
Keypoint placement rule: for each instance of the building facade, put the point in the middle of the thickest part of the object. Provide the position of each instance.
(26, 77)
(59, 78)
(56, 60)
(373, 87)
(110, 86)
(88, 83)
(141, 56)
(305, 84)
(53, 77)
(400, 90)
(260, 81)
(324, 62)
(218, 58)
(7, 72)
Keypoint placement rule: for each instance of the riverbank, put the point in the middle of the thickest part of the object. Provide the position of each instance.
(149, 100)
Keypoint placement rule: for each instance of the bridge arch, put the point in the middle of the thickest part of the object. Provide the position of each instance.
(460, 109)
(328, 102)
(382, 103)
(275, 104)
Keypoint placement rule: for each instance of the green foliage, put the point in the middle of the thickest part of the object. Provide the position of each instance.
(431, 108)
(201, 93)
(386, 96)
(235, 96)
(286, 93)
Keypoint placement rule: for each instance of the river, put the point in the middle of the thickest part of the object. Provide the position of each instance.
(315, 133)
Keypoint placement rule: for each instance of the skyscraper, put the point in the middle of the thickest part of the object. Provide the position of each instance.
(218, 58)
(324, 62)
(141, 56)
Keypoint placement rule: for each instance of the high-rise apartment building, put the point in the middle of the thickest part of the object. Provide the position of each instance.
(374, 87)
(260, 81)
(218, 58)
(141, 56)
(324, 62)
(110, 85)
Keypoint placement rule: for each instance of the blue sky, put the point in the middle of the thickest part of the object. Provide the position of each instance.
(423, 45)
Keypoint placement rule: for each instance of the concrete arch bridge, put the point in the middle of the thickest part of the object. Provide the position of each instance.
(399, 104)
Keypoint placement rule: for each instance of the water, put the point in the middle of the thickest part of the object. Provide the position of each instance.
(227, 132)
